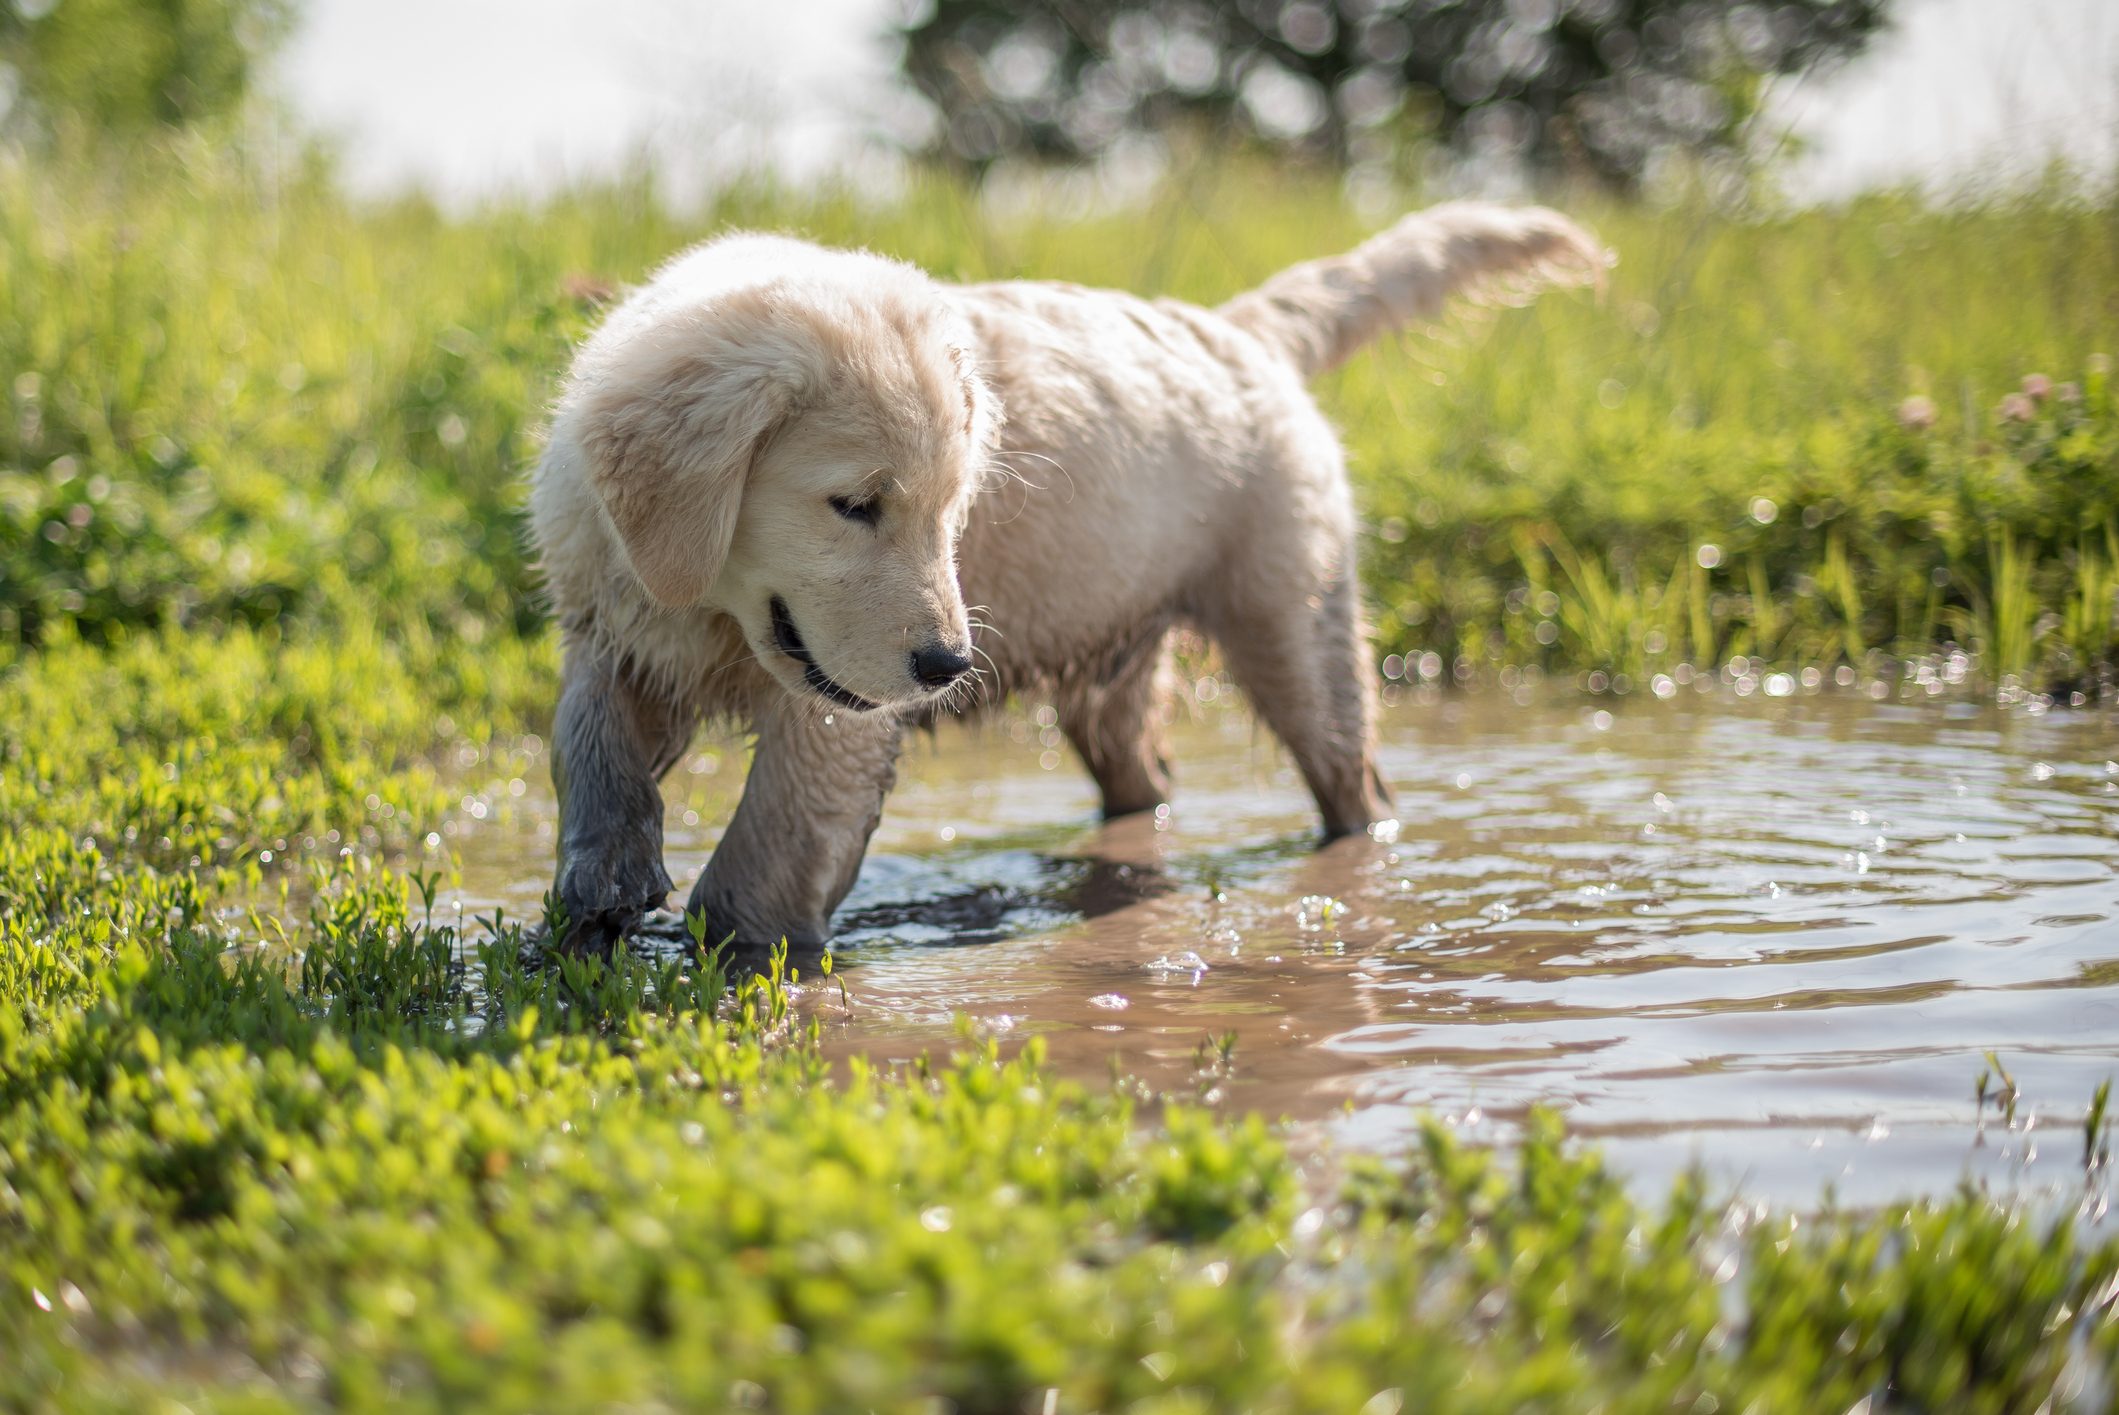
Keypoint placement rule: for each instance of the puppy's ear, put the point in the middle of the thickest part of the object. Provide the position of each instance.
(670, 427)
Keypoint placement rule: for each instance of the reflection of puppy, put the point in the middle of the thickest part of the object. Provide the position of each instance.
(777, 474)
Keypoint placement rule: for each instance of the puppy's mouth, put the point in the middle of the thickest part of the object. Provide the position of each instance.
(790, 643)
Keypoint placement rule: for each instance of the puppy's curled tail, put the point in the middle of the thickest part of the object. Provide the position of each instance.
(1320, 312)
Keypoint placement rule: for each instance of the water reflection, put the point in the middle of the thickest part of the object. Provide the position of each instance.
(1773, 935)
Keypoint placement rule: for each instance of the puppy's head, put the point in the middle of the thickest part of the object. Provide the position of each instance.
(800, 453)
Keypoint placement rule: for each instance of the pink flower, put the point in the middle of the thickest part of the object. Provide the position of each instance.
(2016, 408)
(1916, 414)
(2037, 387)
(2068, 392)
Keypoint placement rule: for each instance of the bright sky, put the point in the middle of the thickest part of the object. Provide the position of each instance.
(467, 98)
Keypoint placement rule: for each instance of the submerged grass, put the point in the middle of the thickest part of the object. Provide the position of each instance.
(272, 1137)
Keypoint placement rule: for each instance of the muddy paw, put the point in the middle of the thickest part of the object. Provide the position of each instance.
(605, 899)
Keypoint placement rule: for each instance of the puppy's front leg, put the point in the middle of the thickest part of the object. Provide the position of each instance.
(611, 741)
(791, 852)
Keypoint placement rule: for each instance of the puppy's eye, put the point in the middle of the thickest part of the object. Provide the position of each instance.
(865, 511)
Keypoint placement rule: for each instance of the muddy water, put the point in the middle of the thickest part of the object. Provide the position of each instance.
(1771, 936)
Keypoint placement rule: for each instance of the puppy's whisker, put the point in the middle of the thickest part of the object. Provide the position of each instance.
(966, 688)
(1005, 452)
(1026, 452)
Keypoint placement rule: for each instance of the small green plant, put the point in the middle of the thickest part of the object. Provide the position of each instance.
(2088, 618)
(2006, 1098)
(2002, 621)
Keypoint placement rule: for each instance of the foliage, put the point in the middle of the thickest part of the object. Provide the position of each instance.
(1753, 465)
(361, 1158)
(1593, 87)
(117, 67)
(220, 416)
(275, 1132)
(230, 396)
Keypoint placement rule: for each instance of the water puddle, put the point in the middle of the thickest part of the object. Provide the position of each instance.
(1773, 936)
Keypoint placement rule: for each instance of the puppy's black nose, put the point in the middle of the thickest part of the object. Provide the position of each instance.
(938, 665)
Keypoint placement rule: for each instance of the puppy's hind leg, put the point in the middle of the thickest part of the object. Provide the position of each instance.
(1300, 652)
(1115, 725)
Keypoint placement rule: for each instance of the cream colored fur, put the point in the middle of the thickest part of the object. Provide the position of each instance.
(1057, 476)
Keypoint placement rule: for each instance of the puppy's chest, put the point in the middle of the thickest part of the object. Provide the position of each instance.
(691, 651)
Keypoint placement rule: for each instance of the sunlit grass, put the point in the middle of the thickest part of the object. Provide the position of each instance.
(374, 1164)
(339, 1151)
(234, 395)
(274, 1135)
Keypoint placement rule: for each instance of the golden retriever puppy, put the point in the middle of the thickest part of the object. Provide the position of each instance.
(781, 481)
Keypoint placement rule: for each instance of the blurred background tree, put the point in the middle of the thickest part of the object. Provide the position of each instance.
(1578, 87)
(126, 66)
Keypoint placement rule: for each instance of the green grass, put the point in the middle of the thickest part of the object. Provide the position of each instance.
(361, 1161)
(272, 1136)
(232, 396)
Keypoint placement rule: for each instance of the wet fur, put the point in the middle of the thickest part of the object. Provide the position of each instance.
(1070, 473)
